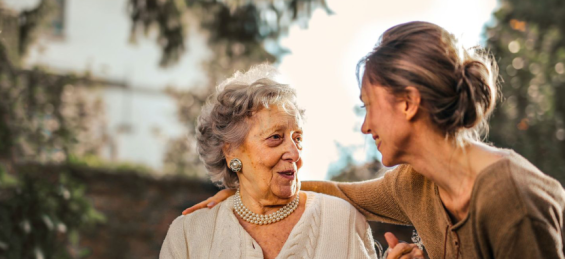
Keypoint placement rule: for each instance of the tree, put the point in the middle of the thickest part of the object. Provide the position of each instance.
(528, 42)
(242, 25)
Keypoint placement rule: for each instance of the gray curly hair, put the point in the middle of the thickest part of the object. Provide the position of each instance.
(224, 118)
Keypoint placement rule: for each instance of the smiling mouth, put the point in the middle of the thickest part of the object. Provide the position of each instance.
(377, 141)
(288, 174)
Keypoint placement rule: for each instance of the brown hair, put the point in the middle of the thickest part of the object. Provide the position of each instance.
(458, 86)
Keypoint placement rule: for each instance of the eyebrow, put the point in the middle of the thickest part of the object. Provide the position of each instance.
(277, 127)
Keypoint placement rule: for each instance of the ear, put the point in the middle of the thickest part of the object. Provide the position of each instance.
(227, 152)
(411, 101)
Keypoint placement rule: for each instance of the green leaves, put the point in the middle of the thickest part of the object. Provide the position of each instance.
(39, 213)
(249, 23)
(529, 45)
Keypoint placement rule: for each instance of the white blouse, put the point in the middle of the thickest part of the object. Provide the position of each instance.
(329, 228)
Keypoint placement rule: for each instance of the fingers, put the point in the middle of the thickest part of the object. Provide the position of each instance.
(223, 194)
(391, 239)
(401, 250)
(208, 203)
(415, 254)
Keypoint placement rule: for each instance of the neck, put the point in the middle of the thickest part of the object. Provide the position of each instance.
(263, 204)
(450, 168)
(445, 164)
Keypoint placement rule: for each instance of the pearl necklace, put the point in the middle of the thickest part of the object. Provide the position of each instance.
(259, 219)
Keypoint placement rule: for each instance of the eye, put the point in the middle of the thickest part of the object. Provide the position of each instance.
(298, 139)
(363, 106)
(275, 138)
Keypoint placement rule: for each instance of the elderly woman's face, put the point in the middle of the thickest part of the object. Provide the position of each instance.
(271, 154)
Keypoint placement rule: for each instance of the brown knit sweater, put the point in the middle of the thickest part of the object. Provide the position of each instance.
(515, 211)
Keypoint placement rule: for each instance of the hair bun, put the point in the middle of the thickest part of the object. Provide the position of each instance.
(475, 95)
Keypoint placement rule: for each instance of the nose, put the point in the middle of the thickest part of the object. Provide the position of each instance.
(365, 127)
(292, 151)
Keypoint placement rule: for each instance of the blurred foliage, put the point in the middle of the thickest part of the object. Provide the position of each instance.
(47, 117)
(356, 173)
(39, 213)
(346, 169)
(31, 22)
(233, 22)
(528, 41)
(44, 119)
(95, 161)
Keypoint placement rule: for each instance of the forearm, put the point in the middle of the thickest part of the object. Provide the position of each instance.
(372, 198)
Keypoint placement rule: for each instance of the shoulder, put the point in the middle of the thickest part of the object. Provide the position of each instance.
(514, 187)
(202, 220)
(176, 229)
(407, 185)
(338, 209)
(330, 203)
(407, 177)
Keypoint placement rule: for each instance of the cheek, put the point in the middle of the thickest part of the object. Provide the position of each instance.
(269, 158)
(263, 161)
(374, 120)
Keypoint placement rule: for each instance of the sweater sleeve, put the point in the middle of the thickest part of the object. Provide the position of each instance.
(519, 211)
(174, 246)
(376, 199)
(531, 238)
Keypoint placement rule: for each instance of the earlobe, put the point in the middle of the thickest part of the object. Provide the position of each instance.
(412, 102)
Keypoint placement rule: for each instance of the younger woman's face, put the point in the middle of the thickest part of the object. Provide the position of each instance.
(271, 155)
(385, 122)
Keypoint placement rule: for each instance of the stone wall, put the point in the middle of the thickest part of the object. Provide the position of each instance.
(138, 211)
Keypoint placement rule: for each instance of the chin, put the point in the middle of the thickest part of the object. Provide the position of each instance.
(388, 162)
(287, 191)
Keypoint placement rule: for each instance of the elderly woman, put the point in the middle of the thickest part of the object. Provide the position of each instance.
(250, 139)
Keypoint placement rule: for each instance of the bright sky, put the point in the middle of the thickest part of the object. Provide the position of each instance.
(324, 56)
